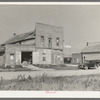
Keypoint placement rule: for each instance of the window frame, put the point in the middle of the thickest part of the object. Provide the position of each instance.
(50, 42)
(42, 39)
(12, 56)
(44, 59)
(57, 41)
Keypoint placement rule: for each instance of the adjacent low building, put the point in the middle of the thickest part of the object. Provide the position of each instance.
(76, 58)
(91, 52)
(67, 59)
(43, 45)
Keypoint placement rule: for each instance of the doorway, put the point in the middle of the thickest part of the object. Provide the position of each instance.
(26, 56)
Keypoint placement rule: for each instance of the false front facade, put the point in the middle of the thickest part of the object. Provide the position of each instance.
(44, 45)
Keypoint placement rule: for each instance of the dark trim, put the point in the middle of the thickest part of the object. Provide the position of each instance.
(49, 48)
(49, 1)
(17, 41)
(21, 41)
(89, 52)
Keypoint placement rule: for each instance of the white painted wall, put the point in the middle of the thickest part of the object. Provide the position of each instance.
(95, 56)
(35, 57)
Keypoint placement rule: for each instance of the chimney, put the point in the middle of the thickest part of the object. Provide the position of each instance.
(14, 34)
(87, 44)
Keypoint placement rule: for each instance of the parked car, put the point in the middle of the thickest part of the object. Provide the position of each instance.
(89, 64)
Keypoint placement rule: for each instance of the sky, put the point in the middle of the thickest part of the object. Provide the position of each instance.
(81, 23)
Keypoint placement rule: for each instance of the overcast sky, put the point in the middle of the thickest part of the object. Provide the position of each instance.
(81, 23)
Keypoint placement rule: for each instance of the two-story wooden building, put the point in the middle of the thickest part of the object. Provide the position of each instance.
(44, 45)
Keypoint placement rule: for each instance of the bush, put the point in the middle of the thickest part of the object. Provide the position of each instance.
(29, 77)
(49, 65)
(2, 66)
(25, 63)
(22, 69)
(8, 67)
(18, 66)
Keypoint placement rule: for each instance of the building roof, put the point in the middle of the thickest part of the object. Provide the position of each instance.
(76, 53)
(91, 48)
(20, 37)
(50, 25)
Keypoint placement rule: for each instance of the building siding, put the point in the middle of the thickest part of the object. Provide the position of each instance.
(76, 58)
(2, 59)
(49, 31)
(58, 57)
(44, 53)
(92, 56)
(28, 42)
(12, 49)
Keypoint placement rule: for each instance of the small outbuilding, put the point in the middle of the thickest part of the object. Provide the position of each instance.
(91, 52)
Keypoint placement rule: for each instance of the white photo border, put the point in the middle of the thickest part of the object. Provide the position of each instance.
(49, 94)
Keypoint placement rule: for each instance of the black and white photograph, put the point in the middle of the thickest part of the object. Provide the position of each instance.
(50, 48)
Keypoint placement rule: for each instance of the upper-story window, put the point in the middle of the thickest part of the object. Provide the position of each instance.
(42, 39)
(57, 41)
(50, 42)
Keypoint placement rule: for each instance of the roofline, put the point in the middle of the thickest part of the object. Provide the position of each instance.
(49, 48)
(90, 52)
(19, 40)
(22, 40)
(48, 24)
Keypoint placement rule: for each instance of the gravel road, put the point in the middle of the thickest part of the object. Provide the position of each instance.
(13, 75)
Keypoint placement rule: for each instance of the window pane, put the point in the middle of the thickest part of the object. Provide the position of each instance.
(44, 58)
(42, 39)
(50, 42)
(11, 56)
(57, 41)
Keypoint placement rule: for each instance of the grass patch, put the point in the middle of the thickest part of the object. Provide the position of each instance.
(14, 69)
(44, 83)
(57, 67)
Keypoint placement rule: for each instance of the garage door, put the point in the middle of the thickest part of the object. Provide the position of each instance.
(18, 57)
(35, 57)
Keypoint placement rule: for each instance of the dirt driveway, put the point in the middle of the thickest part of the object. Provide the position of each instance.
(14, 75)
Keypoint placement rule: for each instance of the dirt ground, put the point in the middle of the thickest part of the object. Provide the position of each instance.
(14, 75)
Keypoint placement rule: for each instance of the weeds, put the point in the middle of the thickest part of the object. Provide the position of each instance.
(44, 82)
(22, 78)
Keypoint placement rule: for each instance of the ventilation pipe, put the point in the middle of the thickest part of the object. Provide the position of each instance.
(87, 44)
(14, 34)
